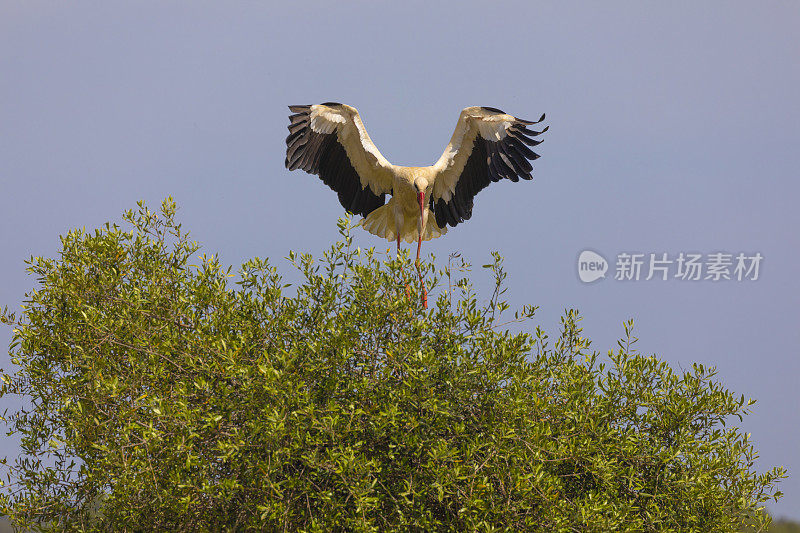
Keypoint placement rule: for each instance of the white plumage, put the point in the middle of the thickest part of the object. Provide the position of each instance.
(488, 145)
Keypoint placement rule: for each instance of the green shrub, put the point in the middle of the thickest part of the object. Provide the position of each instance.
(159, 395)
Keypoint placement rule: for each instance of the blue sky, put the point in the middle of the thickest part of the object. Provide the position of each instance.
(673, 128)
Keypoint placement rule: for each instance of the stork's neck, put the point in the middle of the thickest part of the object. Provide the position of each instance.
(417, 178)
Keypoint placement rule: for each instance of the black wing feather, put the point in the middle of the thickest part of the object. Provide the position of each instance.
(321, 154)
(490, 161)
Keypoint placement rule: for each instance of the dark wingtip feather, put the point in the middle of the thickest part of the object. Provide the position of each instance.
(294, 135)
(532, 133)
(299, 108)
(297, 126)
(529, 122)
(532, 142)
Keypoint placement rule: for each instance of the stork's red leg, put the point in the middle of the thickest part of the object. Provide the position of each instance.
(420, 229)
(424, 292)
(408, 291)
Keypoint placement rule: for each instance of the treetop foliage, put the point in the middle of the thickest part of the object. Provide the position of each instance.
(162, 392)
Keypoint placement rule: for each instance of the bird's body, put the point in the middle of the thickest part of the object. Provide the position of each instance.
(488, 145)
(400, 216)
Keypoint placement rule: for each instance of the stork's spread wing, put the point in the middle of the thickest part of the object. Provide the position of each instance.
(330, 140)
(488, 145)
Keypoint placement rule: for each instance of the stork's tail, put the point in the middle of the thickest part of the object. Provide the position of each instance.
(381, 222)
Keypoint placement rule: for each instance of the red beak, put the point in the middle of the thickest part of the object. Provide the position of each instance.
(421, 198)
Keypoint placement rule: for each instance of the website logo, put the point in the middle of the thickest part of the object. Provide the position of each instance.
(591, 266)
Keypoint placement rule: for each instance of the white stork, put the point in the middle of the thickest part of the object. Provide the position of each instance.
(488, 145)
